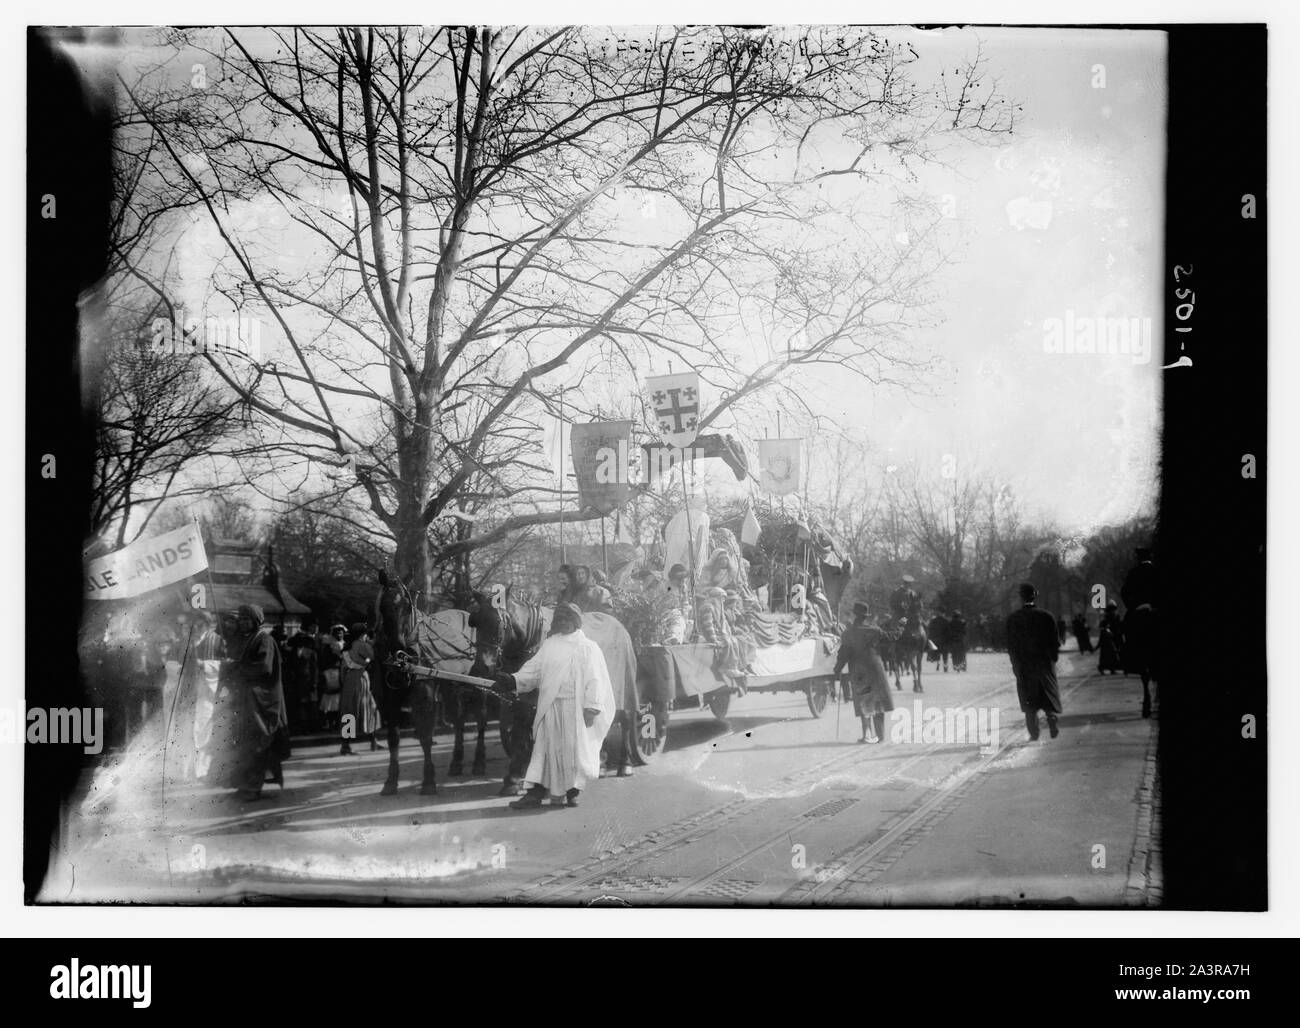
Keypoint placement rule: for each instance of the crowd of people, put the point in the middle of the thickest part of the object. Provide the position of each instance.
(239, 682)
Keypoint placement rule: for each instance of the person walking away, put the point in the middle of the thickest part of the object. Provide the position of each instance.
(860, 653)
(259, 695)
(1110, 640)
(957, 640)
(1033, 645)
(575, 707)
(1079, 625)
(1139, 596)
(937, 630)
(359, 717)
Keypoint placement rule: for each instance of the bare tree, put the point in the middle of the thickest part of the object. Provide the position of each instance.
(479, 216)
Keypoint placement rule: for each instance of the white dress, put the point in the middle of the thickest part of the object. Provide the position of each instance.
(570, 675)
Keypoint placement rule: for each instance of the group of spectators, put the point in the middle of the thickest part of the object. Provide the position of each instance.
(329, 680)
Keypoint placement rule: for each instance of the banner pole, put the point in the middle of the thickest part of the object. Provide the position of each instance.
(690, 529)
(604, 552)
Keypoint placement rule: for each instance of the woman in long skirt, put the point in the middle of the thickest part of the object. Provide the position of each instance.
(360, 716)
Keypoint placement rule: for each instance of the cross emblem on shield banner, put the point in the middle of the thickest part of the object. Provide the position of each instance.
(675, 400)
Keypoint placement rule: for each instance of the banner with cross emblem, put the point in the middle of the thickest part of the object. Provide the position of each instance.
(675, 400)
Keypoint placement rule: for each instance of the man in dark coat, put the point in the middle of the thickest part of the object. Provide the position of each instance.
(262, 723)
(301, 672)
(937, 630)
(1139, 595)
(1110, 640)
(1080, 626)
(860, 652)
(1033, 645)
(957, 640)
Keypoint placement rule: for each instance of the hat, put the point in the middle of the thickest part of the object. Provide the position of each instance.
(252, 612)
(860, 609)
(1112, 605)
(908, 579)
(1028, 593)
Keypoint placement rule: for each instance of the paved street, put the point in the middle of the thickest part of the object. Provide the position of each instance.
(770, 806)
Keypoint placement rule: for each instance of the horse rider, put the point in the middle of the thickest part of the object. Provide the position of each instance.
(903, 601)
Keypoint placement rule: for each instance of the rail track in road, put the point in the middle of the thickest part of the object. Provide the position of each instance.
(613, 876)
(875, 853)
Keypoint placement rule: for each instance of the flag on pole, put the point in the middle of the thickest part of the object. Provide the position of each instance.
(779, 461)
(146, 564)
(600, 463)
(675, 400)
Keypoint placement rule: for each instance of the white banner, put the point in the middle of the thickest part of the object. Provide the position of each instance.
(675, 400)
(146, 564)
(779, 461)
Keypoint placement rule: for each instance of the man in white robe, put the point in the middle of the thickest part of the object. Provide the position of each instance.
(575, 707)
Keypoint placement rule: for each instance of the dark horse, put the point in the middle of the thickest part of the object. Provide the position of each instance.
(908, 651)
(442, 640)
(1139, 649)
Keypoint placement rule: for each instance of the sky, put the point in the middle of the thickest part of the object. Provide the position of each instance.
(1065, 216)
(1057, 224)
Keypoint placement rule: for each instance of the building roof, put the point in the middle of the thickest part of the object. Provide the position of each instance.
(230, 597)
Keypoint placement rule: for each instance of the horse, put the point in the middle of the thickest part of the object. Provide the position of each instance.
(443, 640)
(522, 624)
(909, 648)
(1139, 649)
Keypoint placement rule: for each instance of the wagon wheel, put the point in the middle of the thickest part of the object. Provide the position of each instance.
(650, 731)
(818, 693)
(719, 702)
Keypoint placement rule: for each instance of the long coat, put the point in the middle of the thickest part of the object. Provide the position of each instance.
(1033, 645)
(860, 652)
(262, 720)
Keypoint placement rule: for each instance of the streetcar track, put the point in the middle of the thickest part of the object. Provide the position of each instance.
(835, 877)
(575, 879)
